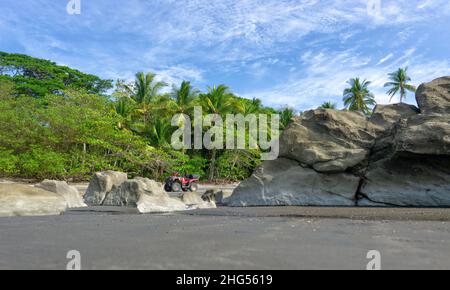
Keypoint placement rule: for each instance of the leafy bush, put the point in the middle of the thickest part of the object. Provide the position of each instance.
(41, 163)
(8, 163)
(185, 164)
(238, 164)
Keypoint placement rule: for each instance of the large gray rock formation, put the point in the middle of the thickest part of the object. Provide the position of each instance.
(400, 156)
(408, 180)
(329, 140)
(284, 182)
(101, 184)
(70, 193)
(26, 200)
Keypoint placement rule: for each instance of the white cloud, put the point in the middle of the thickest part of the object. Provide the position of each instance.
(385, 59)
(176, 74)
(326, 74)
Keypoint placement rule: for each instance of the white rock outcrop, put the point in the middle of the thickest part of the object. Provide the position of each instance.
(70, 193)
(26, 200)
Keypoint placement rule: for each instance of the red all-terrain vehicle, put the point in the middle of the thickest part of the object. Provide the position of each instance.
(176, 183)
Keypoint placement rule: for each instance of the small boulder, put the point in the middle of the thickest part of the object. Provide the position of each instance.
(159, 204)
(129, 192)
(70, 193)
(101, 184)
(194, 201)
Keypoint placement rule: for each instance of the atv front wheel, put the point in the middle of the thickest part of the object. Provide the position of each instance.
(193, 187)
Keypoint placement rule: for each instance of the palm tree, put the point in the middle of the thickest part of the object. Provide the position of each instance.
(251, 106)
(183, 98)
(124, 107)
(219, 100)
(328, 105)
(286, 116)
(358, 96)
(144, 90)
(399, 84)
(159, 132)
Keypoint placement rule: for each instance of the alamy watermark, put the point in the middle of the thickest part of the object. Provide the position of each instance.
(375, 260)
(253, 131)
(374, 8)
(74, 7)
(74, 258)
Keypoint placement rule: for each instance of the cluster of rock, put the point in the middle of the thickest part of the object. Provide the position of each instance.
(109, 188)
(400, 156)
(113, 188)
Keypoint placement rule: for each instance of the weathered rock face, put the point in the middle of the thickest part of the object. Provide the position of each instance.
(102, 184)
(434, 97)
(283, 182)
(223, 196)
(390, 118)
(329, 140)
(129, 192)
(387, 116)
(70, 193)
(26, 200)
(423, 134)
(400, 156)
(408, 180)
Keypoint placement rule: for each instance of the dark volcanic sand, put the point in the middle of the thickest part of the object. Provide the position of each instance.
(229, 238)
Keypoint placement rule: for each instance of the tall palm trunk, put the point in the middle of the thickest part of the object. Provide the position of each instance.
(84, 155)
(212, 167)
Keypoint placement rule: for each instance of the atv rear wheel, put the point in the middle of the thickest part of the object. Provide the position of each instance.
(176, 187)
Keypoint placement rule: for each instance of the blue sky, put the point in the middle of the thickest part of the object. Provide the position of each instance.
(298, 53)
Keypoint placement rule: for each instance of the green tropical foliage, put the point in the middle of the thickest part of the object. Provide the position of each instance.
(38, 77)
(59, 123)
(358, 96)
(286, 116)
(218, 100)
(399, 84)
(328, 105)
